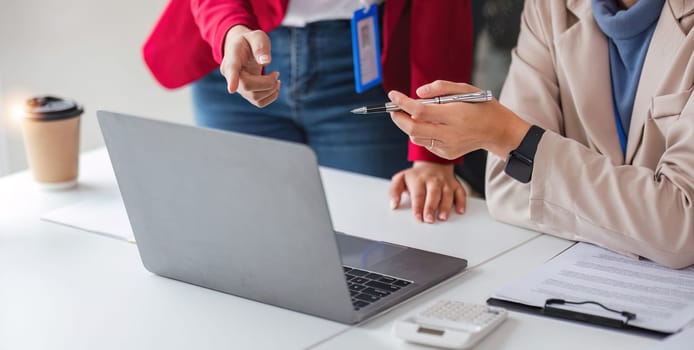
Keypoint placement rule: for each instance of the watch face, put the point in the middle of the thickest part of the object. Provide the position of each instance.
(518, 169)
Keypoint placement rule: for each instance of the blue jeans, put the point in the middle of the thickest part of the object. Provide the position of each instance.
(317, 93)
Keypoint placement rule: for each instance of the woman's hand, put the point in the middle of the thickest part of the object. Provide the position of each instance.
(433, 189)
(246, 52)
(453, 129)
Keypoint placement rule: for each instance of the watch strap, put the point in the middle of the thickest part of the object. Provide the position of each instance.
(520, 161)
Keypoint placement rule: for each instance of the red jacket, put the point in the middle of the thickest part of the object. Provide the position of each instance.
(423, 41)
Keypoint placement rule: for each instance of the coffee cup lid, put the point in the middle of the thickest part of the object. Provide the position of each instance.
(51, 108)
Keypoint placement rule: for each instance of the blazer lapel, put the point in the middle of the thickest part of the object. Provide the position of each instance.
(583, 52)
(662, 52)
(681, 8)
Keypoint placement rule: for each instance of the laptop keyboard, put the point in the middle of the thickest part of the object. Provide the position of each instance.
(367, 287)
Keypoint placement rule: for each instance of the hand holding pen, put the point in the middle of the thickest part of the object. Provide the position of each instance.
(453, 129)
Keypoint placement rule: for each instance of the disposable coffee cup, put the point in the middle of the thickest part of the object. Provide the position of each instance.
(51, 128)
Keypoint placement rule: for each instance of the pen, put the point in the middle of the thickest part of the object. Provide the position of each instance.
(480, 96)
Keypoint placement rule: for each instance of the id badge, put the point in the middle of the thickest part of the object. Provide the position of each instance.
(366, 48)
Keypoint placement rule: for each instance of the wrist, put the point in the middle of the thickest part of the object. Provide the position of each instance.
(509, 136)
(235, 31)
(423, 163)
(238, 29)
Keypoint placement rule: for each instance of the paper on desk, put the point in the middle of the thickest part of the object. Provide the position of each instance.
(103, 214)
(662, 298)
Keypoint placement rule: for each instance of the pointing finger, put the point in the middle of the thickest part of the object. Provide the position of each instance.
(260, 46)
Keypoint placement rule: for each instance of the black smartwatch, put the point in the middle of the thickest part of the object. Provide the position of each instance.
(519, 164)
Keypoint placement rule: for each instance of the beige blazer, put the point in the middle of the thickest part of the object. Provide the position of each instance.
(582, 187)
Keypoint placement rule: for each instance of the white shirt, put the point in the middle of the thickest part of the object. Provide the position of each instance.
(301, 12)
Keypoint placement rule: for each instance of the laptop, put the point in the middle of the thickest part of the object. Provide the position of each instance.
(247, 216)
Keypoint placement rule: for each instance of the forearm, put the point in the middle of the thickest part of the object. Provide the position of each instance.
(579, 194)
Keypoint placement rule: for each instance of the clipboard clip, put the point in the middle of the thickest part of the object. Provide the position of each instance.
(552, 311)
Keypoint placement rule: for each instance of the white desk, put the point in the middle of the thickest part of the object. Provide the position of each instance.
(65, 288)
(520, 331)
(359, 206)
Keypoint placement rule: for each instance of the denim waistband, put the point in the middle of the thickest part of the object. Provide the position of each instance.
(335, 29)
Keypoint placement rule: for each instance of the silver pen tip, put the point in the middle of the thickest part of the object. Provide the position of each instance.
(360, 110)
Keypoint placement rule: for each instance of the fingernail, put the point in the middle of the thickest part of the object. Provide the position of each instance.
(263, 58)
(424, 89)
(392, 96)
(393, 203)
(429, 218)
(443, 217)
(418, 217)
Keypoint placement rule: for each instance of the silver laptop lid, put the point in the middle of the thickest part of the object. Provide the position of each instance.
(181, 187)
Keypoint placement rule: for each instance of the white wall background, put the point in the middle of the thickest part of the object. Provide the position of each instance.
(88, 50)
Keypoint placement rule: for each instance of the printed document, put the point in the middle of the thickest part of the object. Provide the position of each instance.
(661, 298)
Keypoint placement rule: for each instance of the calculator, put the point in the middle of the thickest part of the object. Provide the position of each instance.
(450, 324)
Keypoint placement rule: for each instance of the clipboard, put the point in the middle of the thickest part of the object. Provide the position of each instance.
(627, 294)
(579, 317)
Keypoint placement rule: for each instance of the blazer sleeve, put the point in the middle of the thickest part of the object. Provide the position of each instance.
(215, 17)
(440, 48)
(577, 193)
